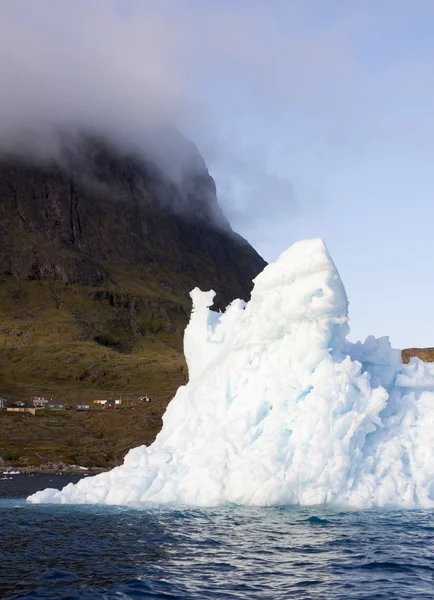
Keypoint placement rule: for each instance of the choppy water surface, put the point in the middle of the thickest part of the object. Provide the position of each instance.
(68, 552)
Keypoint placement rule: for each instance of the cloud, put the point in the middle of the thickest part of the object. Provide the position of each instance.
(269, 89)
(115, 67)
(85, 64)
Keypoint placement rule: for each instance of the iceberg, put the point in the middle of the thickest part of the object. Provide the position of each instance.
(281, 409)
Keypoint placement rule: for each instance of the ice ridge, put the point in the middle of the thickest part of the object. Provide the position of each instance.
(281, 409)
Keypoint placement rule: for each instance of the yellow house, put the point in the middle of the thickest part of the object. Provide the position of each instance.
(21, 409)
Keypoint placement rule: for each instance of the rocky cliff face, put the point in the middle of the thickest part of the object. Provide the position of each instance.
(101, 208)
(101, 248)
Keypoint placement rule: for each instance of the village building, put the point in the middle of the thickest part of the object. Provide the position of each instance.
(104, 402)
(55, 406)
(3, 402)
(82, 407)
(110, 404)
(144, 399)
(16, 408)
(40, 401)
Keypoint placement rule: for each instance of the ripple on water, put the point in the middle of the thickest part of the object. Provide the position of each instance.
(88, 552)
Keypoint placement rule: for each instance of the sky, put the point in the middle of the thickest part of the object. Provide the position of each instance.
(315, 118)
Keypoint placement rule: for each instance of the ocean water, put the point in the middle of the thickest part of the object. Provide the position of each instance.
(91, 552)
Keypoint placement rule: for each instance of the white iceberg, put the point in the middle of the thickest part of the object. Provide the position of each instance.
(281, 409)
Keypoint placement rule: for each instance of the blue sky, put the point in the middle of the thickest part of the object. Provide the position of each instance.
(314, 117)
(355, 141)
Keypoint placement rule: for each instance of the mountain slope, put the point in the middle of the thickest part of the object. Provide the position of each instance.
(98, 252)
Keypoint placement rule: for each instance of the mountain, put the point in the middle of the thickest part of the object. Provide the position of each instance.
(99, 249)
(425, 354)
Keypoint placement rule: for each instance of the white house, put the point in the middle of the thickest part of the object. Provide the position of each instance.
(40, 401)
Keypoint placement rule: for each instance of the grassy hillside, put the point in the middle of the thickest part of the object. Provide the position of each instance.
(74, 341)
(78, 343)
(98, 438)
(99, 249)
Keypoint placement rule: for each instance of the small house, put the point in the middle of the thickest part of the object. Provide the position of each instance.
(119, 401)
(40, 401)
(55, 406)
(82, 407)
(16, 408)
(144, 399)
(103, 402)
(110, 404)
(3, 402)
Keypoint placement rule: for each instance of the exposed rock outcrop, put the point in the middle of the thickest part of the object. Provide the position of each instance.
(99, 249)
(97, 207)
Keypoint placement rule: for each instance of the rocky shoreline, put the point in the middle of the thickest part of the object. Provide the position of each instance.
(51, 469)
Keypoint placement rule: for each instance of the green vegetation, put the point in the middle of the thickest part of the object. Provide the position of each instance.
(73, 341)
(99, 438)
(78, 343)
(98, 254)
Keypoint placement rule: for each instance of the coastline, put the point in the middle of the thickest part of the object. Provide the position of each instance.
(50, 469)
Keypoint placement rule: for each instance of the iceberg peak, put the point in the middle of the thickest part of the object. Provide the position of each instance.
(281, 409)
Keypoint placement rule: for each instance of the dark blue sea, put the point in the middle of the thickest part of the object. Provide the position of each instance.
(90, 552)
